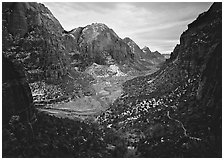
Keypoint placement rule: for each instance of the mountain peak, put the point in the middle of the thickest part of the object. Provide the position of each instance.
(100, 25)
(97, 27)
(128, 39)
(158, 54)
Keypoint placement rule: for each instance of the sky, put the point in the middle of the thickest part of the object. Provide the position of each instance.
(157, 25)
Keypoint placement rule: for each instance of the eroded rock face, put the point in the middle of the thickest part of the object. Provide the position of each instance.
(33, 36)
(16, 95)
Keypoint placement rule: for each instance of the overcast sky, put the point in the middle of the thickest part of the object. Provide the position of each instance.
(156, 25)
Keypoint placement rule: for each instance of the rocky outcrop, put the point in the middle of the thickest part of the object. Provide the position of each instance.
(16, 95)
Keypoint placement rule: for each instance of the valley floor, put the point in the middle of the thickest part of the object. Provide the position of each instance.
(107, 88)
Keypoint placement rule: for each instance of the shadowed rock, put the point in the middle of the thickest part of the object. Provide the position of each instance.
(16, 95)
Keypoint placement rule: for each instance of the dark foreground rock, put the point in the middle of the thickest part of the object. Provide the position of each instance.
(17, 99)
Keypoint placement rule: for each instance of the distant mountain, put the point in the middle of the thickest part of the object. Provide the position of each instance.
(156, 57)
(100, 44)
(134, 48)
(144, 56)
(140, 57)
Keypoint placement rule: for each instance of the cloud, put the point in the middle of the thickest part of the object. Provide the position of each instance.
(157, 25)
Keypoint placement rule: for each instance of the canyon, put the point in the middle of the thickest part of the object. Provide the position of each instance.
(89, 93)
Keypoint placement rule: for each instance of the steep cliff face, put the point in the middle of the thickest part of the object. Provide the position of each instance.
(33, 36)
(16, 95)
